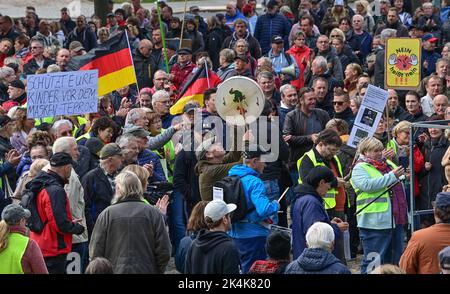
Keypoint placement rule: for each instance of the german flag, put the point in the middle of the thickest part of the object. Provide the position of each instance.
(114, 63)
(194, 88)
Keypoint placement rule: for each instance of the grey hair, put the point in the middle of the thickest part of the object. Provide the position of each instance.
(57, 124)
(159, 95)
(125, 139)
(266, 59)
(6, 71)
(286, 87)
(228, 54)
(321, 62)
(63, 144)
(265, 74)
(160, 71)
(241, 41)
(53, 68)
(128, 185)
(13, 60)
(320, 235)
(387, 33)
(133, 115)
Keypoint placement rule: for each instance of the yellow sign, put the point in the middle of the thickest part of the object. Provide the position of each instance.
(403, 63)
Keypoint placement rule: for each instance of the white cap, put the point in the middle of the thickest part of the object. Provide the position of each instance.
(217, 209)
(339, 2)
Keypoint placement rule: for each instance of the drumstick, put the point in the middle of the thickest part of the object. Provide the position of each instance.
(284, 193)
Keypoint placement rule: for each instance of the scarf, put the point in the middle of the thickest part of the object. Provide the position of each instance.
(399, 205)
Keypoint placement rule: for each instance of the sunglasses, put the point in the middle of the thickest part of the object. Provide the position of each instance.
(340, 103)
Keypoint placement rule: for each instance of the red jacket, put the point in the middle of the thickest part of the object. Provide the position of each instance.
(301, 56)
(419, 163)
(180, 74)
(54, 210)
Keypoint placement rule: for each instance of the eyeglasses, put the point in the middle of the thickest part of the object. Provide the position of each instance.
(340, 103)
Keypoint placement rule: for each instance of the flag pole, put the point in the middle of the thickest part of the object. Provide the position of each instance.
(182, 24)
(132, 61)
(163, 37)
(207, 74)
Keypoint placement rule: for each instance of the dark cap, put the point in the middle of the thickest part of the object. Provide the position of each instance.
(94, 145)
(271, 4)
(189, 107)
(61, 159)
(430, 38)
(171, 45)
(13, 213)
(109, 150)
(241, 57)
(278, 244)
(136, 131)
(110, 15)
(4, 120)
(444, 258)
(319, 173)
(277, 39)
(442, 200)
(254, 151)
(184, 51)
(17, 84)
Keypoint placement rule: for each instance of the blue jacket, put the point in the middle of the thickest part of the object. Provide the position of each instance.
(316, 261)
(148, 156)
(255, 194)
(230, 20)
(431, 57)
(308, 208)
(24, 165)
(183, 248)
(269, 25)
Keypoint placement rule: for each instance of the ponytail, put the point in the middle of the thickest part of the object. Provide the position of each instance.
(4, 234)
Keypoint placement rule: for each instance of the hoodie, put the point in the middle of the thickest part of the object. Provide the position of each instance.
(212, 253)
(308, 208)
(316, 261)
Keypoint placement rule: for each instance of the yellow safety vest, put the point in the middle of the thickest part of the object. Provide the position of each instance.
(392, 145)
(170, 150)
(330, 197)
(11, 257)
(363, 198)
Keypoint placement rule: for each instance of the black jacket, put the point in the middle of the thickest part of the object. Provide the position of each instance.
(6, 170)
(145, 68)
(212, 253)
(86, 37)
(253, 44)
(214, 41)
(97, 195)
(185, 180)
(31, 66)
(300, 142)
(346, 115)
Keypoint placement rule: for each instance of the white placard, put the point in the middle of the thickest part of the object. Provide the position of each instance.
(217, 193)
(62, 93)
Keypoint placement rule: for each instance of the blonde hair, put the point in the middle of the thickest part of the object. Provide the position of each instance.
(140, 172)
(37, 166)
(4, 234)
(388, 269)
(338, 31)
(369, 144)
(402, 126)
(128, 185)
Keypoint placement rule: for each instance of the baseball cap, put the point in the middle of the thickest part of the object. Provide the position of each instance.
(277, 39)
(442, 200)
(17, 84)
(76, 46)
(136, 131)
(241, 57)
(109, 150)
(61, 159)
(194, 8)
(254, 151)
(319, 173)
(217, 209)
(339, 2)
(13, 213)
(430, 38)
(189, 107)
(4, 120)
(444, 258)
(184, 51)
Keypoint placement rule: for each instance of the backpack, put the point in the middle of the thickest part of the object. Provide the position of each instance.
(29, 201)
(233, 192)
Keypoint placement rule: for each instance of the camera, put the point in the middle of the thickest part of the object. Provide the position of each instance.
(157, 190)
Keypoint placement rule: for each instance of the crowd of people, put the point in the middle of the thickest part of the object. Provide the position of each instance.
(132, 185)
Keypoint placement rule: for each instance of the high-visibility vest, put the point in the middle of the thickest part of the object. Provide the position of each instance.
(392, 145)
(330, 197)
(169, 149)
(86, 136)
(11, 257)
(363, 198)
